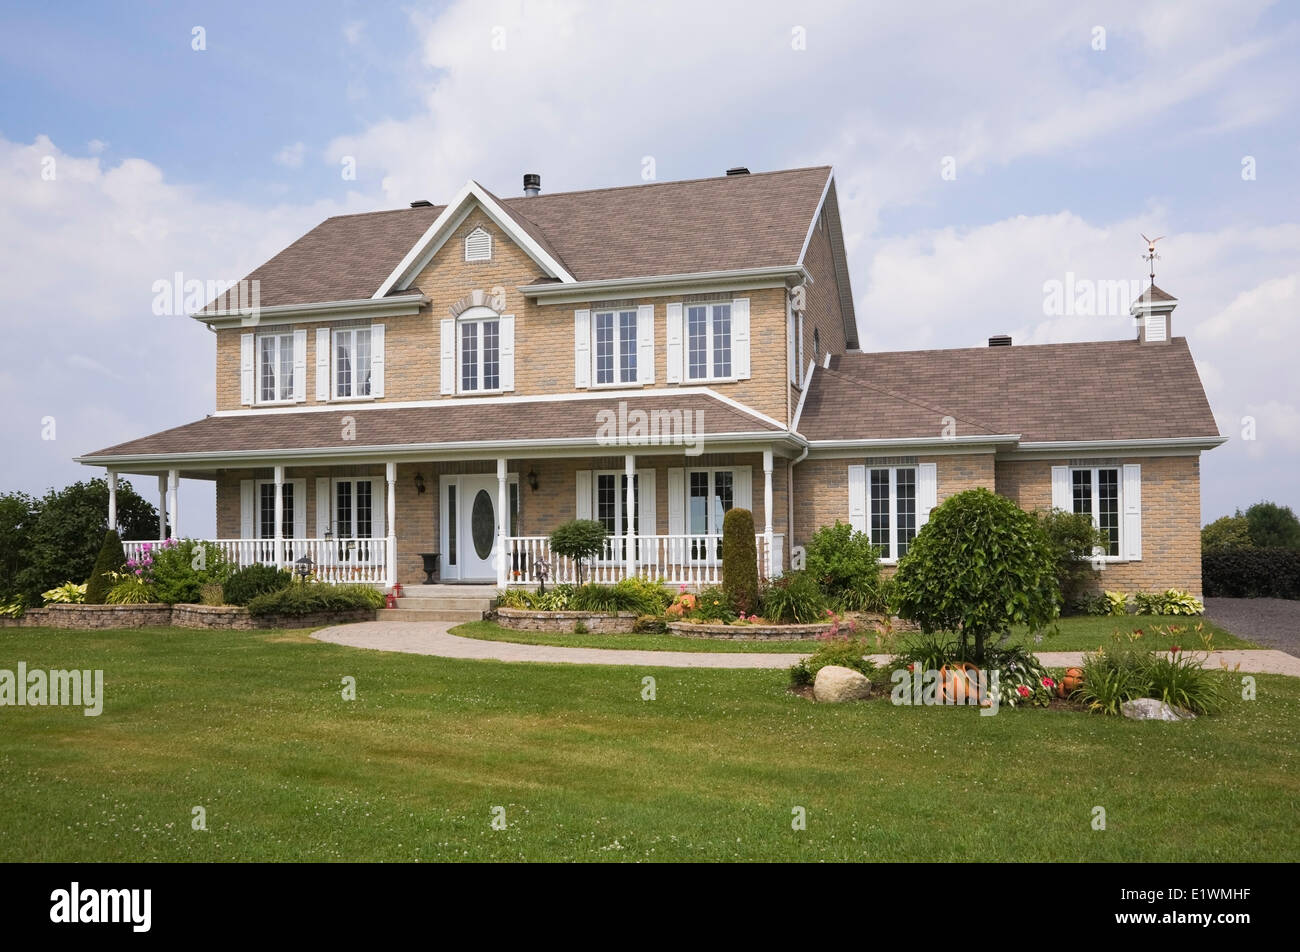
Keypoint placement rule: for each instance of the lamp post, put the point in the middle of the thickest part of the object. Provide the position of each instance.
(540, 571)
(303, 567)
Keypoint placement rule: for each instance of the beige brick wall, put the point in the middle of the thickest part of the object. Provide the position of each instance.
(1171, 528)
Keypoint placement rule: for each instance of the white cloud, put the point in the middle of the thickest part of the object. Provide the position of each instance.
(353, 30)
(291, 156)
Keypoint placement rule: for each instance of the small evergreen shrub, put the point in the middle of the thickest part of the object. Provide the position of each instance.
(740, 560)
(111, 558)
(314, 598)
(248, 583)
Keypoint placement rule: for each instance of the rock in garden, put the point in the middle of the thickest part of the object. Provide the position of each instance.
(835, 683)
(1151, 709)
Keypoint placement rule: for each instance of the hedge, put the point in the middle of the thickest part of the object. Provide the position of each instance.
(309, 599)
(1251, 573)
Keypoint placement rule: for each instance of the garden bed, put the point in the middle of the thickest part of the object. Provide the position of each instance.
(527, 619)
(213, 617)
(863, 623)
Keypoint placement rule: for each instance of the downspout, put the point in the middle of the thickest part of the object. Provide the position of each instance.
(791, 464)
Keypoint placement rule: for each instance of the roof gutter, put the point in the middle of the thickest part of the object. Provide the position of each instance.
(290, 313)
(918, 442)
(584, 290)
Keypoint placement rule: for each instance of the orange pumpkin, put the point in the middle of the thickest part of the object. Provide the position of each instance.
(1071, 682)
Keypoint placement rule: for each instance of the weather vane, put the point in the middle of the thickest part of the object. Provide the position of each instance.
(1151, 256)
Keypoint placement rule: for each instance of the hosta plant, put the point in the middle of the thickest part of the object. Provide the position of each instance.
(69, 593)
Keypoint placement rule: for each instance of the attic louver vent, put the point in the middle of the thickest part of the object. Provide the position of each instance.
(478, 246)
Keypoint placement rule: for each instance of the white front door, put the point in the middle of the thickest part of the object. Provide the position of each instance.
(469, 526)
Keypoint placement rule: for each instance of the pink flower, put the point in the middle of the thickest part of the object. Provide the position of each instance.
(1024, 691)
(1048, 683)
(139, 572)
(1174, 649)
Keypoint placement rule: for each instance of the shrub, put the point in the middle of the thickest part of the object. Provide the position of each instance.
(1251, 573)
(981, 566)
(1169, 602)
(740, 560)
(69, 593)
(109, 562)
(1226, 532)
(248, 583)
(1072, 537)
(794, 597)
(1272, 526)
(318, 597)
(600, 598)
(130, 589)
(712, 604)
(210, 594)
(845, 652)
(580, 540)
(654, 598)
(847, 567)
(181, 567)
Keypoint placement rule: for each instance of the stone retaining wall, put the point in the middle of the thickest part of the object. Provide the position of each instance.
(209, 617)
(601, 623)
(748, 632)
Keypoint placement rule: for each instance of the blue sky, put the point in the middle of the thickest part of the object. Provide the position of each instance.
(208, 161)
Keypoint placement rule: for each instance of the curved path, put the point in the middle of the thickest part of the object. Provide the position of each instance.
(434, 638)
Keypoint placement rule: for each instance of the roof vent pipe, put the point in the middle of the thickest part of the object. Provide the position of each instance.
(738, 170)
(532, 184)
(1000, 340)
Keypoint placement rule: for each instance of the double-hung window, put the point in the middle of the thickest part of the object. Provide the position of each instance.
(1096, 491)
(352, 362)
(274, 368)
(480, 355)
(891, 512)
(614, 350)
(708, 341)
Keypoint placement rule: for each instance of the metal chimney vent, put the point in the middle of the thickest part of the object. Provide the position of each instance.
(532, 184)
(1000, 340)
(738, 170)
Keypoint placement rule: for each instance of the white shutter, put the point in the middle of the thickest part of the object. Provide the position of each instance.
(858, 498)
(378, 508)
(1061, 496)
(645, 344)
(790, 360)
(376, 360)
(322, 364)
(246, 369)
(1132, 511)
(507, 353)
(740, 338)
(324, 506)
(582, 348)
(673, 347)
(676, 501)
(645, 503)
(927, 492)
(299, 366)
(247, 500)
(448, 369)
(299, 507)
(582, 483)
(742, 493)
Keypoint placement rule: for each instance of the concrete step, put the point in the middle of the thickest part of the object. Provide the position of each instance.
(417, 614)
(446, 603)
(450, 590)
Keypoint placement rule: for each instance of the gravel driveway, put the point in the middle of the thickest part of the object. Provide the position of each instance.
(1271, 622)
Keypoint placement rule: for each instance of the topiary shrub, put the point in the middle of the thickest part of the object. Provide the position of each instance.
(846, 566)
(248, 583)
(110, 560)
(981, 566)
(580, 540)
(740, 560)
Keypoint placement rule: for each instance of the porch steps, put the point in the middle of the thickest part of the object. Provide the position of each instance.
(455, 603)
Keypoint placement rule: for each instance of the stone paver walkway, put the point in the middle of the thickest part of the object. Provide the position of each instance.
(433, 638)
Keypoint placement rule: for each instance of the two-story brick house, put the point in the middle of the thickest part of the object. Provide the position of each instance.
(460, 379)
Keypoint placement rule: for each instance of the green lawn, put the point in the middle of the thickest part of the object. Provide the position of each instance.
(1075, 634)
(251, 726)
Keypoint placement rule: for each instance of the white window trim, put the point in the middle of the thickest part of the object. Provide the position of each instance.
(279, 337)
(618, 343)
(892, 557)
(334, 366)
(709, 377)
(461, 321)
(1096, 506)
(376, 517)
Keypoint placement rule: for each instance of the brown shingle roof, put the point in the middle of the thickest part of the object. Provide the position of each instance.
(1102, 390)
(713, 224)
(446, 422)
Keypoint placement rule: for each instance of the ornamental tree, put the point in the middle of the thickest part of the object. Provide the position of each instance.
(980, 566)
(580, 540)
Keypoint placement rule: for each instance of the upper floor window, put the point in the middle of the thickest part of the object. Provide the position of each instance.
(891, 509)
(352, 359)
(614, 353)
(274, 368)
(1096, 492)
(480, 355)
(708, 341)
(478, 245)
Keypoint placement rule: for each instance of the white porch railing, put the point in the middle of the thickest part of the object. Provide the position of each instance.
(333, 560)
(677, 559)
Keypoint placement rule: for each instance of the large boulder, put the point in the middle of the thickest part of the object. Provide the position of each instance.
(835, 683)
(1153, 709)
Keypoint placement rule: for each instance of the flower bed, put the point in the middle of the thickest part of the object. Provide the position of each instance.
(527, 619)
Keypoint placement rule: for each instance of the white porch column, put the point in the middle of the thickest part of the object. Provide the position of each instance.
(279, 516)
(390, 525)
(629, 505)
(112, 500)
(174, 477)
(503, 521)
(767, 511)
(163, 512)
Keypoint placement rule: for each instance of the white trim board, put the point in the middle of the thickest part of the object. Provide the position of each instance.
(812, 226)
(356, 309)
(668, 285)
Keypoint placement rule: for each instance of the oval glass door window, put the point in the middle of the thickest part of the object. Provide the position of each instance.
(482, 523)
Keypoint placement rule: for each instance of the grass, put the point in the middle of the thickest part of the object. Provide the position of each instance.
(251, 726)
(1077, 633)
